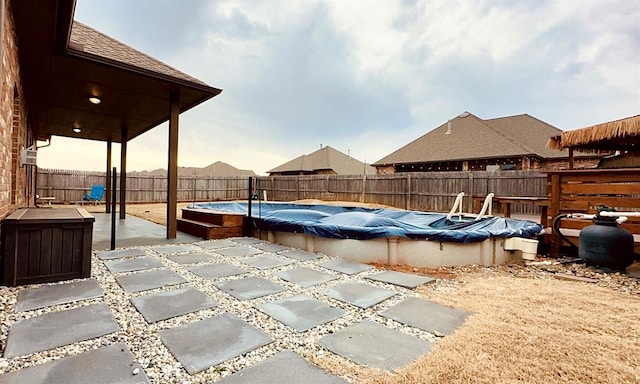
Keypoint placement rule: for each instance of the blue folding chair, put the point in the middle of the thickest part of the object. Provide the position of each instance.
(97, 191)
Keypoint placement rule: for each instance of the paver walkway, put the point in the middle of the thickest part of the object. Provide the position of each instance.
(241, 270)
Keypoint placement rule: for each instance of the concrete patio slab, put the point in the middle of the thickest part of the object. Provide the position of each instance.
(266, 262)
(247, 240)
(56, 329)
(171, 249)
(120, 253)
(205, 343)
(48, 295)
(217, 270)
(132, 232)
(427, 315)
(143, 281)
(299, 255)
(371, 344)
(301, 312)
(401, 279)
(238, 251)
(305, 277)
(250, 287)
(215, 244)
(358, 294)
(287, 367)
(131, 265)
(270, 247)
(111, 364)
(192, 258)
(168, 304)
(346, 266)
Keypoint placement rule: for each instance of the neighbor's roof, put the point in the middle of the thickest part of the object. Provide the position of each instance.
(326, 158)
(622, 134)
(88, 40)
(470, 137)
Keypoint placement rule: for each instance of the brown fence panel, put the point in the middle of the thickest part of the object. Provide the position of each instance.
(428, 191)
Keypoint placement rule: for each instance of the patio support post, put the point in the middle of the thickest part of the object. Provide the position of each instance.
(123, 171)
(172, 169)
(107, 181)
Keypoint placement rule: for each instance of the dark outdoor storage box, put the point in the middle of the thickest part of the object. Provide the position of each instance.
(44, 245)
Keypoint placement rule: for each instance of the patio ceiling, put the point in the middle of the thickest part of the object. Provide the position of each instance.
(59, 76)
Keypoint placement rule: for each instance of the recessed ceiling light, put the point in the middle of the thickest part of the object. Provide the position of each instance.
(77, 130)
(94, 100)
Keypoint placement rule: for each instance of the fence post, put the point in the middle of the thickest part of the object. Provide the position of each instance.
(408, 193)
(470, 189)
(364, 188)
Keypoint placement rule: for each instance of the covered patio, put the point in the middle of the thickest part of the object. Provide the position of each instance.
(83, 84)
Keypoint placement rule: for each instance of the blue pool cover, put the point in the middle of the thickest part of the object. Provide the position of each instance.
(367, 223)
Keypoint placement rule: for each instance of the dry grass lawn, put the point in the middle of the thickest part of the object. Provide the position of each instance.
(524, 328)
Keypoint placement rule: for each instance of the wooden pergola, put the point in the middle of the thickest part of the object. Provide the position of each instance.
(64, 64)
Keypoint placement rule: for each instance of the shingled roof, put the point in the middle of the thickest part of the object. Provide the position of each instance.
(88, 40)
(326, 158)
(468, 137)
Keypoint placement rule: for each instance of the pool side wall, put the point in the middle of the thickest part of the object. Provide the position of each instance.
(400, 251)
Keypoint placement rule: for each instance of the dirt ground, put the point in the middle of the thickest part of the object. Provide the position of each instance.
(526, 326)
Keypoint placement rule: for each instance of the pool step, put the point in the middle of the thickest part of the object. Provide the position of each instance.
(208, 231)
(224, 219)
(209, 224)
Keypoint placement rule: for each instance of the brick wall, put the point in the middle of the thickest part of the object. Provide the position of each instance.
(16, 188)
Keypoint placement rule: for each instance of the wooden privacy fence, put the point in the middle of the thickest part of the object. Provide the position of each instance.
(428, 191)
(68, 186)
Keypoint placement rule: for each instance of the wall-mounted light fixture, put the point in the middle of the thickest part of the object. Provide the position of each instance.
(95, 100)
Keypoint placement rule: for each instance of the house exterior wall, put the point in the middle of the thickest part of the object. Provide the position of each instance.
(505, 164)
(16, 181)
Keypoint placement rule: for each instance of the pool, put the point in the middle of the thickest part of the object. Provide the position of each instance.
(393, 236)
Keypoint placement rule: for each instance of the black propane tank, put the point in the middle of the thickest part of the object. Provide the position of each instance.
(605, 244)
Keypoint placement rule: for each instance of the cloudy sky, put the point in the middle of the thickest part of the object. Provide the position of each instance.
(366, 76)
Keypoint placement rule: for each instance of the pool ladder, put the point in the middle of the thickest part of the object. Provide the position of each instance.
(487, 207)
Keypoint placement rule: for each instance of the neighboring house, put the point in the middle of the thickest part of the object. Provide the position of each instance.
(468, 143)
(63, 78)
(325, 161)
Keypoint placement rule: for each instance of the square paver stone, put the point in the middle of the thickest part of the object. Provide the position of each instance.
(250, 287)
(135, 264)
(177, 302)
(287, 367)
(169, 249)
(371, 344)
(146, 280)
(247, 240)
(300, 255)
(270, 247)
(346, 266)
(215, 244)
(301, 312)
(406, 280)
(205, 343)
(266, 262)
(427, 315)
(217, 270)
(238, 251)
(120, 253)
(192, 258)
(56, 329)
(358, 294)
(305, 277)
(48, 295)
(111, 364)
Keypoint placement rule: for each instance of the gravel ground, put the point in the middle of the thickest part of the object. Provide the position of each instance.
(161, 367)
(156, 359)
